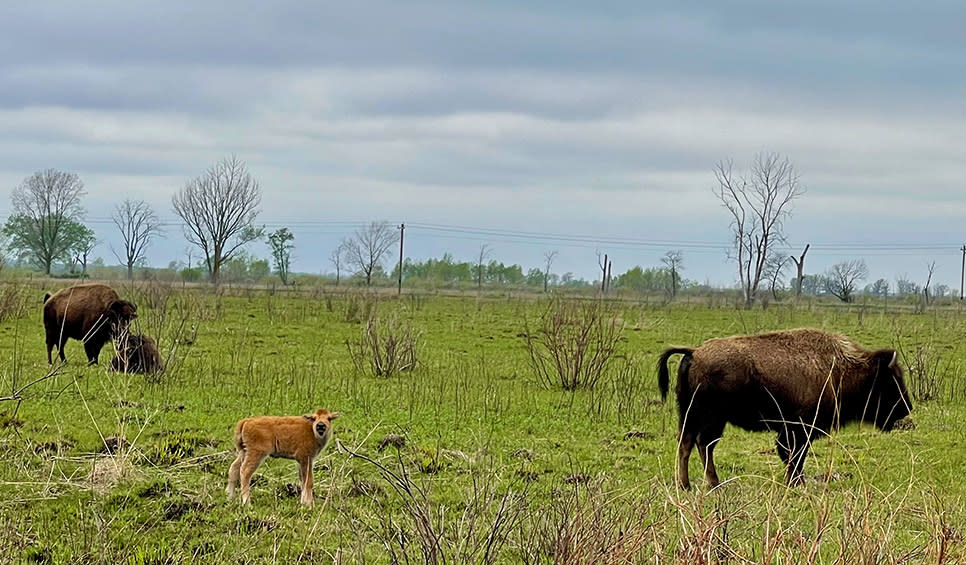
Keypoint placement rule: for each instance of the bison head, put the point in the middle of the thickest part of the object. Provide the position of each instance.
(322, 423)
(121, 312)
(888, 399)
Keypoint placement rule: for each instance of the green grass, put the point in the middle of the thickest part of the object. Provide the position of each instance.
(496, 466)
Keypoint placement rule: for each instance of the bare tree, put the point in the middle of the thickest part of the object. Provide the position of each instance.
(759, 203)
(800, 266)
(219, 210)
(931, 268)
(366, 248)
(879, 288)
(548, 258)
(905, 286)
(674, 261)
(774, 272)
(336, 258)
(602, 262)
(138, 224)
(843, 278)
(484, 254)
(44, 207)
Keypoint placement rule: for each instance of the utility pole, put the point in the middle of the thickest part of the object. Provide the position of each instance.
(402, 232)
(962, 273)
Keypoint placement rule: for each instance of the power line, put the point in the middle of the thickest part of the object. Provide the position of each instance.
(422, 230)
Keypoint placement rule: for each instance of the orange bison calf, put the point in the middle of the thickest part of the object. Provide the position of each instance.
(288, 437)
(801, 384)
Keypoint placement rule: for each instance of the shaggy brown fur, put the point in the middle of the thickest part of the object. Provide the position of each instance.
(136, 353)
(290, 437)
(92, 313)
(801, 383)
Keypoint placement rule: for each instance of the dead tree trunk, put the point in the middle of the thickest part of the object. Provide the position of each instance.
(800, 265)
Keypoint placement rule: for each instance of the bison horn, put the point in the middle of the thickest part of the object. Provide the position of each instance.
(892, 362)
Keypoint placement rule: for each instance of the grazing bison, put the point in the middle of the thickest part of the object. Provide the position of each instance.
(800, 383)
(92, 313)
(136, 353)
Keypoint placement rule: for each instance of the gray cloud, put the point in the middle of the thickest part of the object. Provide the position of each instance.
(555, 116)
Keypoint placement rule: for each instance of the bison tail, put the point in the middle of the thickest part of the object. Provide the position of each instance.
(663, 379)
(46, 297)
(239, 441)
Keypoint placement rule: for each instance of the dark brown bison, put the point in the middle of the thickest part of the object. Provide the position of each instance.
(92, 313)
(136, 353)
(800, 383)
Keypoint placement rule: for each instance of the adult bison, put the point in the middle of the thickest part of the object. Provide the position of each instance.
(92, 313)
(800, 383)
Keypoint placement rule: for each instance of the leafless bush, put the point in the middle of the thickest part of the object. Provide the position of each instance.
(386, 347)
(927, 372)
(584, 525)
(574, 342)
(13, 302)
(428, 533)
(360, 306)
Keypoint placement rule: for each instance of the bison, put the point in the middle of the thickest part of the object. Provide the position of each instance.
(92, 313)
(800, 383)
(290, 437)
(136, 353)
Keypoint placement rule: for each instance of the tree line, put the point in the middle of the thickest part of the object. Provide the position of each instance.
(219, 209)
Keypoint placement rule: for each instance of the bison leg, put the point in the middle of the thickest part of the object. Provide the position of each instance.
(61, 342)
(685, 445)
(93, 348)
(234, 473)
(792, 446)
(252, 461)
(305, 474)
(707, 440)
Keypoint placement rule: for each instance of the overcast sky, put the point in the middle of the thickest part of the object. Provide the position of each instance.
(525, 126)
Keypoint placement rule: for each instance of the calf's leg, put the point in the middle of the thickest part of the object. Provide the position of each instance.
(305, 473)
(252, 461)
(234, 473)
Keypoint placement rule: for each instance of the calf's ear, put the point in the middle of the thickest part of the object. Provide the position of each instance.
(309, 417)
(334, 415)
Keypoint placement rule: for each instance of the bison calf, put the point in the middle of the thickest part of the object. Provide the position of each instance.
(289, 437)
(136, 353)
(800, 383)
(92, 313)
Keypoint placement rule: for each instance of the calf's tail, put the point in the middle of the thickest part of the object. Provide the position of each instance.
(239, 441)
(663, 379)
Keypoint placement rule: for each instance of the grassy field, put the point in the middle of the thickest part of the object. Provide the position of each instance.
(470, 456)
